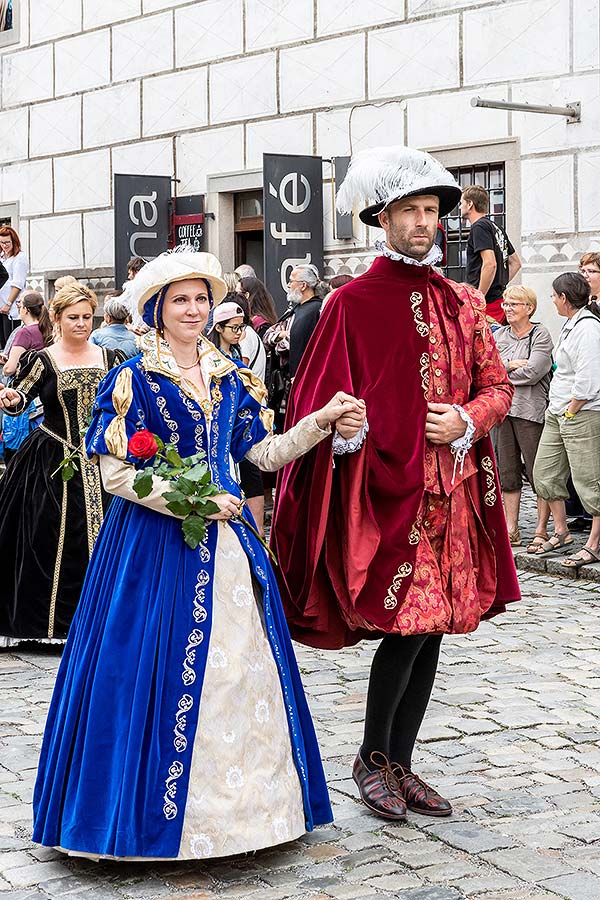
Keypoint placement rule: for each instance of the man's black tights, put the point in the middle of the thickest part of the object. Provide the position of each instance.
(400, 685)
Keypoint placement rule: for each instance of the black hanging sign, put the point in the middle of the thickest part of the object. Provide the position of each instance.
(141, 218)
(293, 217)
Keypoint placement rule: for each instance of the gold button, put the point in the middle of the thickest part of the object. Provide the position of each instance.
(438, 372)
(431, 507)
(432, 339)
(439, 391)
(435, 355)
(427, 523)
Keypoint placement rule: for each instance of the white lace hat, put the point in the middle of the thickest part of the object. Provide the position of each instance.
(170, 267)
(385, 174)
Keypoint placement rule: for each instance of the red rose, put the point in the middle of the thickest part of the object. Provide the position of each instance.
(142, 444)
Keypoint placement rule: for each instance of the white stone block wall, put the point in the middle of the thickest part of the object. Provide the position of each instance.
(194, 88)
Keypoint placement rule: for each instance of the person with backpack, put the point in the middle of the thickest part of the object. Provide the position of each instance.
(526, 351)
(492, 261)
(571, 437)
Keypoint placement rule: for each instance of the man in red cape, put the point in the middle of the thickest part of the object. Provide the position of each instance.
(401, 535)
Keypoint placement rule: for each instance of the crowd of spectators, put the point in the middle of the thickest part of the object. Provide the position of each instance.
(550, 437)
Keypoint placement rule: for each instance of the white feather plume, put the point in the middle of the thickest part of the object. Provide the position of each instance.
(383, 174)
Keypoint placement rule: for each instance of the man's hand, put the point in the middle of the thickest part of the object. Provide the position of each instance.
(346, 409)
(443, 424)
(348, 425)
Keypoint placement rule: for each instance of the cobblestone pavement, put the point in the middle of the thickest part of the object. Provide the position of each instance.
(511, 737)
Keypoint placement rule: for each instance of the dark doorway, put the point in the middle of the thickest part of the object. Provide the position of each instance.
(248, 227)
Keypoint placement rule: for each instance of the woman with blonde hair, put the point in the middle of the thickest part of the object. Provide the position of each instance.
(48, 523)
(526, 351)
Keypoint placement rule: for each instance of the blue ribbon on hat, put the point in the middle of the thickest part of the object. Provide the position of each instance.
(152, 313)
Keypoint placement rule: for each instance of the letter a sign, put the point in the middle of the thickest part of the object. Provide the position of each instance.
(141, 219)
(293, 214)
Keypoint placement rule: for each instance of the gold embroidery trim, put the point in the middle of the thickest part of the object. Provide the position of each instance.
(415, 532)
(424, 372)
(28, 382)
(490, 496)
(115, 435)
(59, 553)
(391, 601)
(416, 300)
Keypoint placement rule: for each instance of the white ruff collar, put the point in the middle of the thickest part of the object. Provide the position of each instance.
(432, 259)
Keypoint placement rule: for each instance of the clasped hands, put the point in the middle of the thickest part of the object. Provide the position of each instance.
(345, 413)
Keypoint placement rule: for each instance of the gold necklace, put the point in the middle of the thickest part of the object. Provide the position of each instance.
(192, 365)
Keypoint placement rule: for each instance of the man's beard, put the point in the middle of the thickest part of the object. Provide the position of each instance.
(294, 297)
(402, 245)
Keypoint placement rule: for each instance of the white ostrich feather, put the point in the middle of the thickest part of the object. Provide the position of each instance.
(384, 174)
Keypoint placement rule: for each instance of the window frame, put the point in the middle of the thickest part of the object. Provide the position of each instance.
(506, 151)
(13, 35)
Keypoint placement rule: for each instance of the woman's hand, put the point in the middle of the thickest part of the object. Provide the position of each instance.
(345, 412)
(517, 364)
(229, 506)
(9, 398)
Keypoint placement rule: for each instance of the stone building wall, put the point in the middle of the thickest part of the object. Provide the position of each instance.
(197, 88)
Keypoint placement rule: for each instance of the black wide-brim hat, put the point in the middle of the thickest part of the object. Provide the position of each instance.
(449, 197)
(384, 175)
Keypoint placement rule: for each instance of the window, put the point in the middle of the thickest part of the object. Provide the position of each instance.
(490, 176)
(9, 22)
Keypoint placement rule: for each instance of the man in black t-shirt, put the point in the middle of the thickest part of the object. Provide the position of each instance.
(491, 258)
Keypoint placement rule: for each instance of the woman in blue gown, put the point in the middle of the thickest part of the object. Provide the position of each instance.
(178, 728)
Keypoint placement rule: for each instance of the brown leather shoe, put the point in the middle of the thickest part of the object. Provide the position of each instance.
(419, 796)
(379, 790)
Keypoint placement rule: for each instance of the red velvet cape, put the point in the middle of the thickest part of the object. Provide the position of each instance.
(344, 531)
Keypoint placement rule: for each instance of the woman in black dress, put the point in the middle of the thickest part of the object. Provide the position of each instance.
(48, 525)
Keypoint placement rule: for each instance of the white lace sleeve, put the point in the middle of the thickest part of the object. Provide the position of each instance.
(461, 446)
(351, 445)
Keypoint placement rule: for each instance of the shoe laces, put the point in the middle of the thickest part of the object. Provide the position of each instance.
(387, 771)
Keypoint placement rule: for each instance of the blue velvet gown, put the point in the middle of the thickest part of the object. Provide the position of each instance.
(114, 773)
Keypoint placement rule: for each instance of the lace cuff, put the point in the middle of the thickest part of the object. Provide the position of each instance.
(461, 445)
(351, 445)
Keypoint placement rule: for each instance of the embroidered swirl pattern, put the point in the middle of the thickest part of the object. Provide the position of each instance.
(416, 300)
(489, 498)
(183, 707)
(391, 602)
(175, 772)
(188, 676)
(195, 638)
(199, 612)
(415, 533)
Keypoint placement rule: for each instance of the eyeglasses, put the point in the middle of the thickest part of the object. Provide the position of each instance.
(589, 271)
(237, 329)
(511, 305)
(295, 281)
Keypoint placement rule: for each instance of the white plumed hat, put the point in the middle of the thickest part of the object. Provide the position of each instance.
(385, 174)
